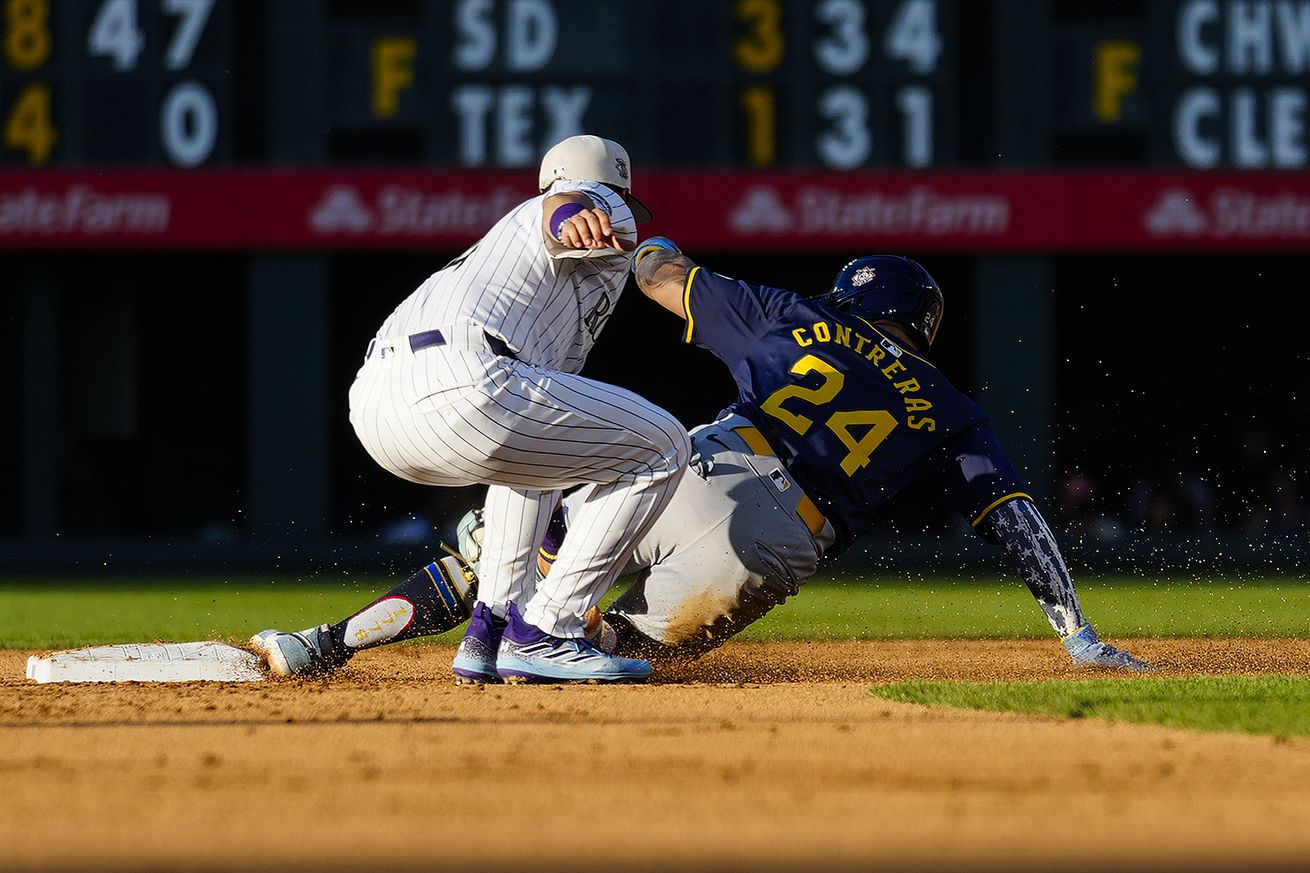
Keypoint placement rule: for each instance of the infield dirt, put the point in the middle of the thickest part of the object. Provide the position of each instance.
(761, 757)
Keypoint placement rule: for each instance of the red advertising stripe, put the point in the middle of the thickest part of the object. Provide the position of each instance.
(325, 209)
(119, 210)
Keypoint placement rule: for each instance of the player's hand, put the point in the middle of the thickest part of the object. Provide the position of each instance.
(655, 243)
(590, 229)
(1087, 650)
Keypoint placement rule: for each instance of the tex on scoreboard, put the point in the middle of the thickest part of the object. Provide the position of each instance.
(819, 84)
(481, 82)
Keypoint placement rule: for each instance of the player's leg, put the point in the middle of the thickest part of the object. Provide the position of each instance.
(514, 521)
(435, 599)
(623, 456)
(628, 480)
(452, 417)
(730, 547)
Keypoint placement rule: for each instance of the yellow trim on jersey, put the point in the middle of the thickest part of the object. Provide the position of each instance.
(996, 503)
(900, 345)
(811, 515)
(686, 304)
(758, 444)
(805, 508)
(545, 554)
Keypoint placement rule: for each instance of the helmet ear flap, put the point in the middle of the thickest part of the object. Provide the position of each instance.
(890, 287)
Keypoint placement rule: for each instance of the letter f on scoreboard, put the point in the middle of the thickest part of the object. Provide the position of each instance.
(393, 72)
(1115, 68)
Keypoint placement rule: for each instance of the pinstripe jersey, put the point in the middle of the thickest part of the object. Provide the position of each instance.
(545, 301)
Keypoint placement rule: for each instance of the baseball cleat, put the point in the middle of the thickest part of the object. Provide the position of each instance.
(475, 661)
(1087, 650)
(528, 654)
(292, 654)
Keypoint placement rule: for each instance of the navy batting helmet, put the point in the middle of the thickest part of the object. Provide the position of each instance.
(890, 287)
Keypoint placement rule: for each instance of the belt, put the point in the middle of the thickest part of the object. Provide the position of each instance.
(806, 508)
(428, 338)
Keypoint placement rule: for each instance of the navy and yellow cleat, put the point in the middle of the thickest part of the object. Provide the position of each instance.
(302, 653)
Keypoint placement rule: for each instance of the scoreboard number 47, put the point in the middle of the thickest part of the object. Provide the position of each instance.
(188, 115)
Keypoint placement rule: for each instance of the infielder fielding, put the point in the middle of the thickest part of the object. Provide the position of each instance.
(472, 379)
(839, 415)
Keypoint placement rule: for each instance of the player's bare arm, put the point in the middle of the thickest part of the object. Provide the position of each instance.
(573, 219)
(661, 272)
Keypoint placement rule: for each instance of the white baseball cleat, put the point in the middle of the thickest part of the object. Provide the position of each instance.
(291, 654)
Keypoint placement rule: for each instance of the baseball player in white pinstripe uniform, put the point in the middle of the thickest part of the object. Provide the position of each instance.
(472, 379)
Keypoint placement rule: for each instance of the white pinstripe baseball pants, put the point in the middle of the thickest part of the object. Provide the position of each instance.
(461, 415)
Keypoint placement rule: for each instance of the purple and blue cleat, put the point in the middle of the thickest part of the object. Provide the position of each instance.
(475, 661)
(529, 654)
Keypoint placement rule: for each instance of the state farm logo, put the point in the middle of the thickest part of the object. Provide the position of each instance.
(403, 210)
(341, 210)
(1230, 213)
(761, 210)
(920, 210)
(1174, 215)
(83, 211)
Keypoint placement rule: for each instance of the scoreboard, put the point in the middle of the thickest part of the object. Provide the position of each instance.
(959, 125)
(836, 85)
(1232, 81)
(758, 83)
(117, 82)
(755, 83)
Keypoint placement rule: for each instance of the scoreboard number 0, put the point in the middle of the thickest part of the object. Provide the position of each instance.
(188, 116)
(188, 124)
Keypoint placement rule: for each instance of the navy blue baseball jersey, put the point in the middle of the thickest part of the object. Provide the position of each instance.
(856, 417)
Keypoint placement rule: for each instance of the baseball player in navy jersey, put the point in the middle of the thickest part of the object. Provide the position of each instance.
(472, 379)
(839, 415)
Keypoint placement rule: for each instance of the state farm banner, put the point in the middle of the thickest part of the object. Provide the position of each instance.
(119, 210)
(325, 209)
(956, 212)
(1196, 211)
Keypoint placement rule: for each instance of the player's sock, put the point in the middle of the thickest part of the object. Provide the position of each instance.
(424, 604)
(550, 545)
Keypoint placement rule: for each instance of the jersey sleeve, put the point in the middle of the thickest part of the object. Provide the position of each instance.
(622, 220)
(975, 476)
(727, 316)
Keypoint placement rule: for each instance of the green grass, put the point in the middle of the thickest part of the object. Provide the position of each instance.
(1278, 705)
(53, 612)
(881, 608)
